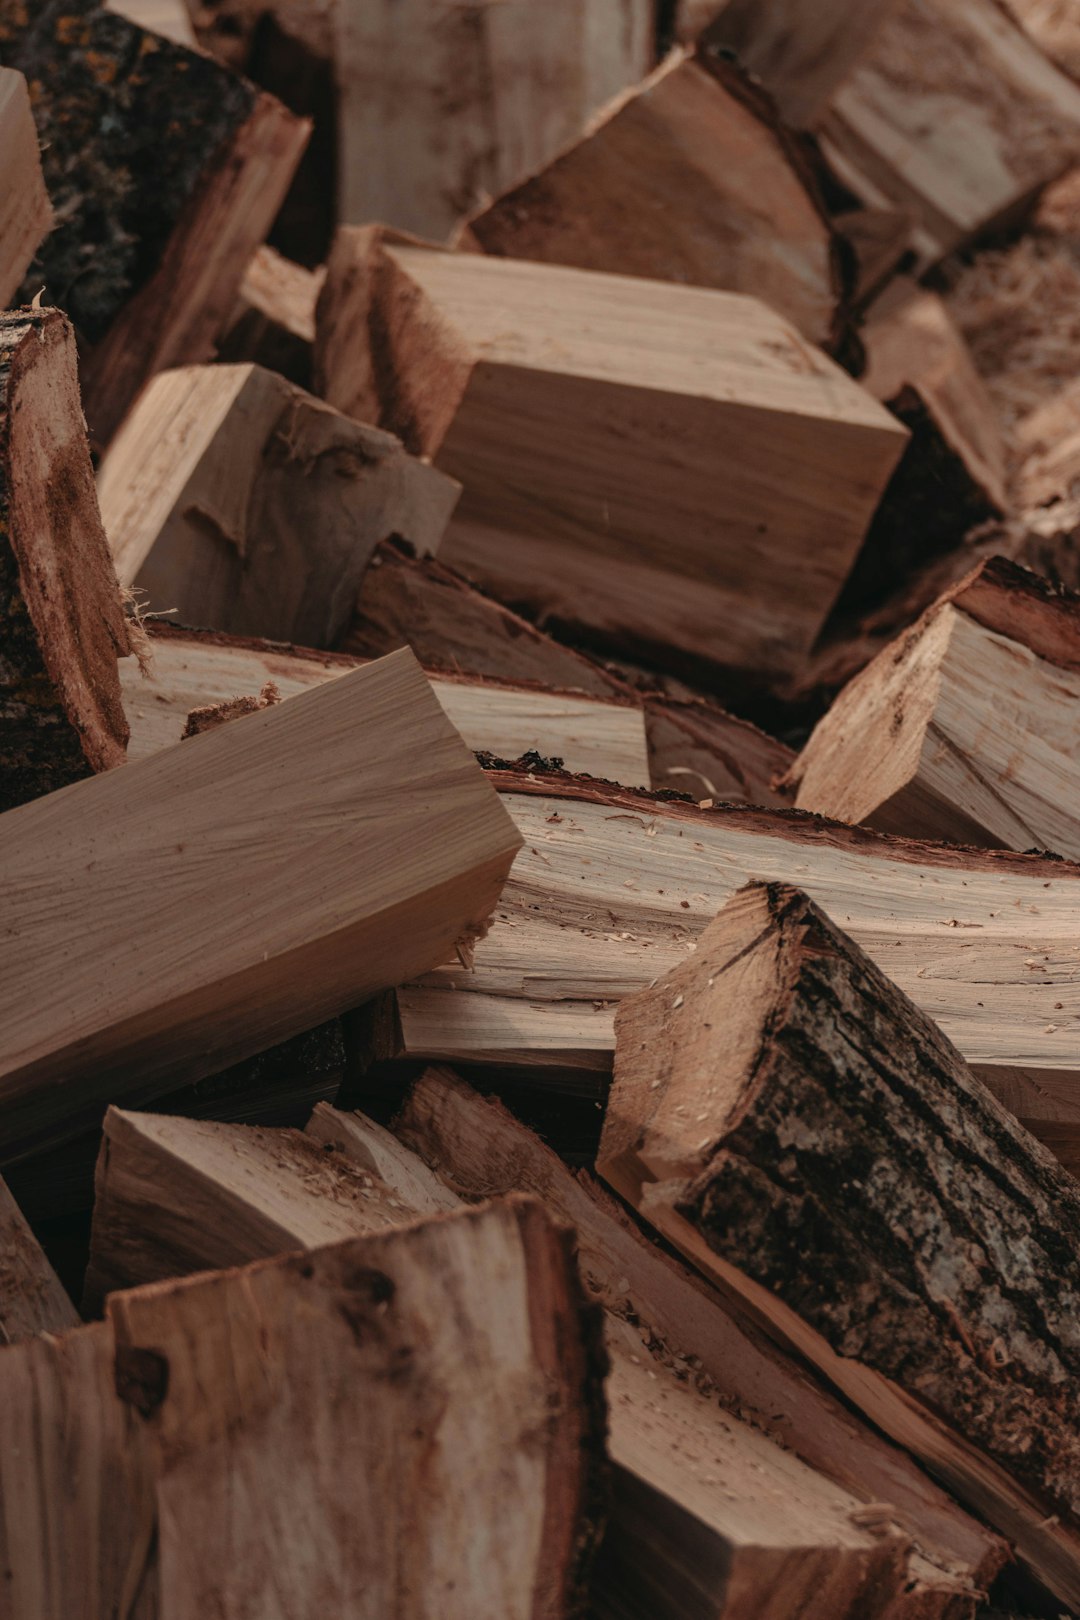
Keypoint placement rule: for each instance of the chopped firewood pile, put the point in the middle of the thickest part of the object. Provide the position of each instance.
(540, 810)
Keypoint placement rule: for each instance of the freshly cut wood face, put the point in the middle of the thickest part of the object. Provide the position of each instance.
(612, 889)
(960, 729)
(697, 1398)
(805, 1134)
(398, 1425)
(25, 210)
(959, 133)
(170, 18)
(273, 320)
(686, 179)
(62, 622)
(238, 501)
(617, 440)
(193, 669)
(526, 80)
(166, 920)
(803, 50)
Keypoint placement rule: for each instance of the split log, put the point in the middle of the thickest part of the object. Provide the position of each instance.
(293, 1436)
(61, 716)
(525, 83)
(803, 50)
(242, 503)
(691, 179)
(124, 970)
(193, 669)
(833, 1163)
(966, 728)
(25, 210)
(170, 18)
(731, 1388)
(153, 232)
(561, 430)
(613, 888)
(32, 1299)
(698, 748)
(955, 116)
(273, 320)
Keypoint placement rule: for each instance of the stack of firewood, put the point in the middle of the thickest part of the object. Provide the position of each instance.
(540, 788)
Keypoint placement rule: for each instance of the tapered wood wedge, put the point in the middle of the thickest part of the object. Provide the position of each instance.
(25, 210)
(32, 1298)
(63, 624)
(395, 1426)
(193, 909)
(803, 1132)
(153, 231)
(238, 501)
(623, 489)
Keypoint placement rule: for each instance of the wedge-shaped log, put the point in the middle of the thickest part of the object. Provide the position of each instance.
(525, 81)
(32, 1298)
(688, 1380)
(153, 231)
(625, 489)
(954, 115)
(689, 178)
(613, 888)
(192, 669)
(337, 1432)
(240, 502)
(188, 911)
(273, 319)
(61, 717)
(967, 727)
(25, 210)
(803, 50)
(811, 1140)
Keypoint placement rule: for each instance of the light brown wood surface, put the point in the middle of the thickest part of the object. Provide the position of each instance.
(623, 487)
(794, 1124)
(170, 18)
(687, 178)
(236, 500)
(603, 736)
(614, 888)
(25, 210)
(525, 81)
(63, 625)
(956, 116)
(168, 919)
(32, 1298)
(273, 320)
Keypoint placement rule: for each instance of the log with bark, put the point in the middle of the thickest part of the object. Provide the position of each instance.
(613, 888)
(198, 669)
(402, 1424)
(525, 83)
(802, 1131)
(61, 716)
(25, 210)
(170, 18)
(238, 501)
(690, 178)
(626, 490)
(192, 909)
(152, 231)
(955, 116)
(968, 727)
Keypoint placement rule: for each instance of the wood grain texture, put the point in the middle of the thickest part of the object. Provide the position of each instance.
(242, 503)
(153, 232)
(391, 1428)
(955, 116)
(25, 210)
(419, 154)
(604, 736)
(688, 1376)
(32, 1298)
(622, 487)
(688, 178)
(967, 727)
(803, 50)
(64, 628)
(272, 322)
(151, 936)
(832, 1160)
(613, 888)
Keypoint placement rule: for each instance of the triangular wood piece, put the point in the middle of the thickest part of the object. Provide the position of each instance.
(32, 1298)
(25, 210)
